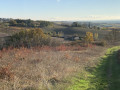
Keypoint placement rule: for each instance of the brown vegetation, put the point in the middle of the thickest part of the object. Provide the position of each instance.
(42, 67)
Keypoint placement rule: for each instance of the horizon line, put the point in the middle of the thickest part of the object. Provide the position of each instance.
(61, 20)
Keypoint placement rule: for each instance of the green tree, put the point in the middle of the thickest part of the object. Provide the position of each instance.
(76, 24)
(13, 23)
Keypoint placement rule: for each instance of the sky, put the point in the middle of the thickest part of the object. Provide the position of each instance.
(61, 10)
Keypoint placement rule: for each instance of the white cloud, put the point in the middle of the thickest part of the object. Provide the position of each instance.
(103, 17)
(81, 18)
(87, 18)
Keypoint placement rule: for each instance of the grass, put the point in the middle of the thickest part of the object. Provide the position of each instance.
(103, 76)
(48, 69)
(115, 73)
(44, 68)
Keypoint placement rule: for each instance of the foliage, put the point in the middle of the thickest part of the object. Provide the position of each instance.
(5, 73)
(28, 38)
(43, 68)
(103, 43)
(83, 25)
(96, 36)
(97, 78)
(54, 34)
(29, 23)
(89, 37)
(100, 43)
(113, 36)
(75, 24)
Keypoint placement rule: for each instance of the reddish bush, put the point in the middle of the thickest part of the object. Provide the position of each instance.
(5, 73)
(46, 48)
(61, 48)
(69, 48)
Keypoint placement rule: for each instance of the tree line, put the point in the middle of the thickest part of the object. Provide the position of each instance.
(85, 25)
(29, 23)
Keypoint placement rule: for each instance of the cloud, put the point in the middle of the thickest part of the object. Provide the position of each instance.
(103, 17)
(86, 18)
(59, 18)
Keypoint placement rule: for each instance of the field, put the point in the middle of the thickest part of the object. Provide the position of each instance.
(66, 30)
(43, 68)
(104, 76)
(62, 65)
(59, 68)
(59, 45)
(76, 30)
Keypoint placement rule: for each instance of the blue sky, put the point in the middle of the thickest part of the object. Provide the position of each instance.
(59, 10)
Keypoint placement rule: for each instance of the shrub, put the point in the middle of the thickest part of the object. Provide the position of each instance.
(29, 23)
(5, 73)
(28, 38)
(96, 36)
(88, 38)
(113, 36)
(101, 43)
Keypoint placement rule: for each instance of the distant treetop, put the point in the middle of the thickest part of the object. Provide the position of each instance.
(29, 23)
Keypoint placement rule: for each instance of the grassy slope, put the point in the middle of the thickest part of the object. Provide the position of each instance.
(105, 76)
(115, 74)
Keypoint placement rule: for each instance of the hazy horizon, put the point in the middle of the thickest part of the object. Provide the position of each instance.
(61, 10)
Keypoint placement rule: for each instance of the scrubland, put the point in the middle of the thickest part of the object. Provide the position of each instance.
(42, 68)
(35, 59)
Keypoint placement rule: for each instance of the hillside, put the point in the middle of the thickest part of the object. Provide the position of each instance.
(41, 58)
(75, 30)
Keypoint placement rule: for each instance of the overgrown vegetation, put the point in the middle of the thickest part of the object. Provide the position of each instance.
(88, 38)
(101, 76)
(43, 59)
(29, 23)
(43, 68)
(113, 36)
(29, 38)
(85, 25)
